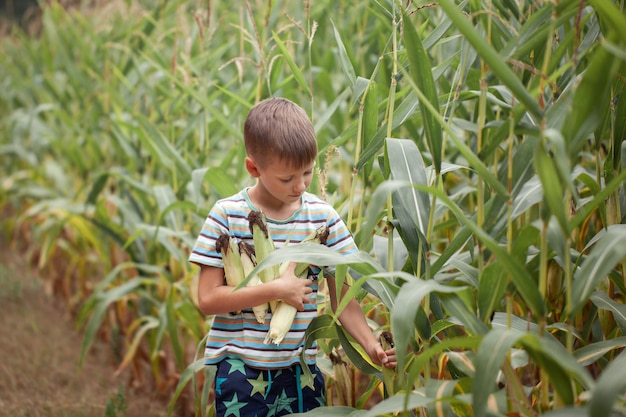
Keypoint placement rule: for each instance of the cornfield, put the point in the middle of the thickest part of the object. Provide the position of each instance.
(474, 148)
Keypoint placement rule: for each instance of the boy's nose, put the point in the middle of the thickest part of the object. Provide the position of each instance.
(300, 186)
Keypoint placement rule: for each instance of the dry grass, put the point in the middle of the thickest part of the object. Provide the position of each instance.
(39, 373)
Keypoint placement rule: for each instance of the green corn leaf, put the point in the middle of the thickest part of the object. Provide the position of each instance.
(457, 307)
(370, 119)
(297, 73)
(548, 354)
(344, 58)
(405, 310)
(603, 301)
(620, 123)
(99, 308)
(162, 149)
(173, 327)
(188, 375)
(411, 208)
(145, 325)
(610, 388)
(612, 16)
(401, 114)
(589, 354)
(497, 65)
(590, 97)
(421, 72)
(607, 252)
(398, 403)
(353, 353)
(332, 411)
(315, 254)
(321, 327)
(553, 190)
(598, 199)
(558, 364)
(519, 275)
(491, 289)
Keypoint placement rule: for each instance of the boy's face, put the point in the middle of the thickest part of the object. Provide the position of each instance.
(281, 181)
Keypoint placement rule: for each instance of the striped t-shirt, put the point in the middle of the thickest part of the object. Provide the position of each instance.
(240, 335)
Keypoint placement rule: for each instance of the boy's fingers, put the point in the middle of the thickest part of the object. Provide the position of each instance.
(387, 358)
(380, 353)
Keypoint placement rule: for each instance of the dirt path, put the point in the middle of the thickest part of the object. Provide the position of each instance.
(39, 348)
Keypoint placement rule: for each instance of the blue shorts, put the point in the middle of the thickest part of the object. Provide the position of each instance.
(249, 392)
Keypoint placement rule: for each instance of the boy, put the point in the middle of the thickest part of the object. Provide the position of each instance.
(253, 378)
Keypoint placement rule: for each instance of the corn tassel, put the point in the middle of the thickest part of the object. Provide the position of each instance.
(263, 246)
(284, 314)
(233, 267)
(248, 262)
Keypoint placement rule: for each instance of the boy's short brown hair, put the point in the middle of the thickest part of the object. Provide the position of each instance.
(279, 128)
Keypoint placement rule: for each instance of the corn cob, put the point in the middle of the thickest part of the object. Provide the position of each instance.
(319, 236)
(233, 268)
(281, 320)
(284, 314)
(248, 262)
(263, 246)
(263, 243)
(389, 375)
(343, 380)
(554, 282)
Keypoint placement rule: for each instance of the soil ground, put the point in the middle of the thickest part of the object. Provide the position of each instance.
(40, 348)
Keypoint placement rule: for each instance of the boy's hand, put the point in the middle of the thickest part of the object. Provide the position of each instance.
(383, 352)
(292, 289)
(386, 342)
(386, 358)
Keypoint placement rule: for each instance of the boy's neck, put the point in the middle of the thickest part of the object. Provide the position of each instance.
(271, 207)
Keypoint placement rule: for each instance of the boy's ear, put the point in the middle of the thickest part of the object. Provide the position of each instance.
(252, 167)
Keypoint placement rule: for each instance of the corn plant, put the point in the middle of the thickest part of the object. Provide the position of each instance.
(512, 285)
(474, 149)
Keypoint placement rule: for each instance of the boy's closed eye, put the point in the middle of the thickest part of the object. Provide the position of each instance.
(290, 178)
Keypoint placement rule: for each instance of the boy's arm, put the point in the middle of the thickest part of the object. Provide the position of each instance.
(216, 298)
(353, 320)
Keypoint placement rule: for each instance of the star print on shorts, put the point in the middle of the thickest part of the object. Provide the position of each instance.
(241, 391)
